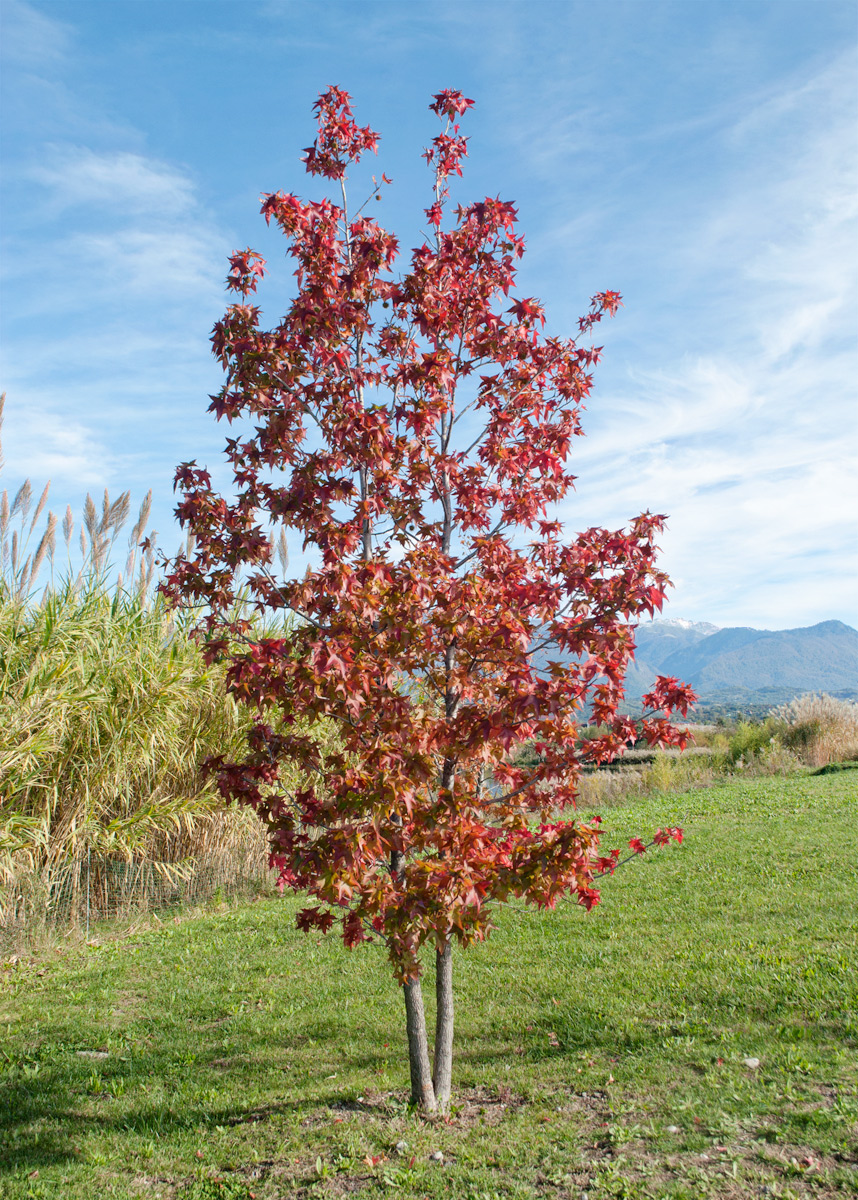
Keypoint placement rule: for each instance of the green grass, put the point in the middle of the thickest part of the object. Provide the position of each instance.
(223, 1055)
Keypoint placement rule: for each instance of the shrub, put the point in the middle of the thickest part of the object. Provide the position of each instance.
(750, 740)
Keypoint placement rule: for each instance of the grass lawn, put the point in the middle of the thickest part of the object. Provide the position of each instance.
(224, 1055)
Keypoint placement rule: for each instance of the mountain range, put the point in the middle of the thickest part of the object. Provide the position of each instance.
(746, 667)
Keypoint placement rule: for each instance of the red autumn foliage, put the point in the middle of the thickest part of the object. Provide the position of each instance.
(413, 426)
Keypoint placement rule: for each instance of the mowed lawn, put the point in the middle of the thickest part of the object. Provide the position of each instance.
(222, 1054)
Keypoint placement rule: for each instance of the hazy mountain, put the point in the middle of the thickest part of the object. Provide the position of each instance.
(744, 664)
(742, 667)
(658, 640)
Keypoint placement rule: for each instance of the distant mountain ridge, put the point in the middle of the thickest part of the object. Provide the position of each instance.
(744, 665)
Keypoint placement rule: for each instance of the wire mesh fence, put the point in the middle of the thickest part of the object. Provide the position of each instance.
(89, 888)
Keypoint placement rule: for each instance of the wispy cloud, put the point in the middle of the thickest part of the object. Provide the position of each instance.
(31, 38)
(119, 289)
(750, 445)
(117, 183)
(61, 449)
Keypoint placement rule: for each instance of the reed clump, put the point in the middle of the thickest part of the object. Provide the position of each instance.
(107, 714)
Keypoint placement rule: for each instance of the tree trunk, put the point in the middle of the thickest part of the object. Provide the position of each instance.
(442, 1073)
(422, 1091)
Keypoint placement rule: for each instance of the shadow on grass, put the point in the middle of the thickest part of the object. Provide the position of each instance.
(46, 1110)
(56, 1101)
(43, 1127)
(48, 1100)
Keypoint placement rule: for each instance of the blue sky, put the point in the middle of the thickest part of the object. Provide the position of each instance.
(700, 157)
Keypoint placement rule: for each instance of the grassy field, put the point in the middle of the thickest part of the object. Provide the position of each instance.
(223, 1055)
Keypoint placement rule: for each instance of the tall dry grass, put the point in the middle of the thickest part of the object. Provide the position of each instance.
(819, 728)
(642, 775)
(107, 713)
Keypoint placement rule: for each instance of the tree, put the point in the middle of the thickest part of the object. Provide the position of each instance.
(414, 429)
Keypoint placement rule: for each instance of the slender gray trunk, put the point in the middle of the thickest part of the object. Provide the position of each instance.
(442, 1073)
(422, 1090)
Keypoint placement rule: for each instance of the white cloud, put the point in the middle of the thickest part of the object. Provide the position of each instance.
(110, 320)
(171, 263)
(750, 445)
(123, 183)
(51, 446)
(30, 38)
